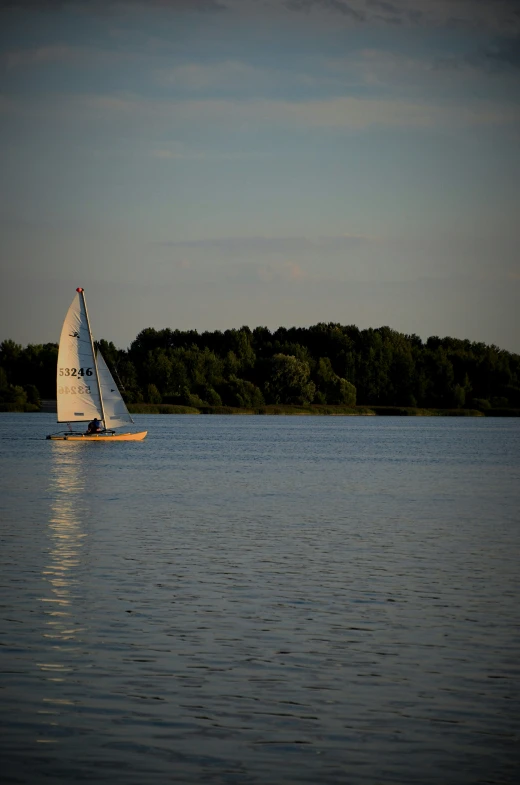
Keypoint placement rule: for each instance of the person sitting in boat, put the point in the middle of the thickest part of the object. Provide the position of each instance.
(94, 426)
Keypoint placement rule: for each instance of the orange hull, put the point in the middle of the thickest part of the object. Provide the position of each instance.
(98, 437)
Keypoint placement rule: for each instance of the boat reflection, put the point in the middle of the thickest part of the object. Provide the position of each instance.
(67, 539)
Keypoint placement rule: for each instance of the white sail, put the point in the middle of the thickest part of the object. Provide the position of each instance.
(116, 412)
(77, 388)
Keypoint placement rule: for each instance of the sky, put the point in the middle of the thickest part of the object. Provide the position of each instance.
(208, 164)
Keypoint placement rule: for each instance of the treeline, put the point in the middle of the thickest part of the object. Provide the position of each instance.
(324, 364)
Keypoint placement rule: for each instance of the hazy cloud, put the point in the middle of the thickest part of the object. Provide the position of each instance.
(229, 74)
(175, 151)
(288, 271)
(37, 5)
(42, 54)
(378, 68)
(430, 77)
(270, 244)
(343, 112)
(111, 5)
(497, 15)
(504, 53)
(348, 113)
(337, 6)
(500, 16)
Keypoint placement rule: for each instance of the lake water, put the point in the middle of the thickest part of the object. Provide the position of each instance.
(261, 600)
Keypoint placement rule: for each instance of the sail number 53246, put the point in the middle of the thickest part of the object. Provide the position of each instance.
(75, 372)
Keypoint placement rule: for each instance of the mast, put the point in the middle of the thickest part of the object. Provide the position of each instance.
(81, 293)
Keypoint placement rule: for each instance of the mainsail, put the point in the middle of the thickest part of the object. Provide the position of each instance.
(116, 412)
(86, 388)
(77, 386)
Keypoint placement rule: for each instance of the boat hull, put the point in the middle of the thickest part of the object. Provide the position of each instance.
(98, 437)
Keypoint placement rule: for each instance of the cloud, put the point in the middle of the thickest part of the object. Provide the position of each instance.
(226, 75)
(370, 68)
(160, 118)
(177, 151)
(180, 264)
(237, 77)
(500, 16)
(288, 271)
(41, 55)
(64, 54)
(494, 16)
(393, 73)
(352, 113)
(284, 271)
(270, 245)
(374, 68)
(500, 56)
(37, 5)
(337, 6)
(173, 154)
(108, 5)
(489, 15)
(163, 117)
(503, 53)
(347, 113)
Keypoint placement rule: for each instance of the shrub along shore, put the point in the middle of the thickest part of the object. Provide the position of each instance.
(318, 410)
(310, 409)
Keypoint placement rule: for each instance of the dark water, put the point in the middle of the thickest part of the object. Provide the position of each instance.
(261, 600)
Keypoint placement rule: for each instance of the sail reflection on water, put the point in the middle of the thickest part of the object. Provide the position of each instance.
(67, 540)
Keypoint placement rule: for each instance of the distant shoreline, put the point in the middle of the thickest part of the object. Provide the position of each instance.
(319, 410)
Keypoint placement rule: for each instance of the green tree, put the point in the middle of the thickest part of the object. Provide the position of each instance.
(33, 396)
(178, 374)
(331, 387)
(9, 359)
(152, 394)
(241, 393)
(157, 369)
(440, 389)
(459, 396)
(289, 382)
(13, 393)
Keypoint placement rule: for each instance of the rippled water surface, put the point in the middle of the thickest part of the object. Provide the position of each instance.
(261, 600)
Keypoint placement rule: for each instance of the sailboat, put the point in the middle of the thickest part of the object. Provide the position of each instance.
(85, 387)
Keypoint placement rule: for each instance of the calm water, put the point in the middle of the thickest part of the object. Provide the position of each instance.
(261, 600)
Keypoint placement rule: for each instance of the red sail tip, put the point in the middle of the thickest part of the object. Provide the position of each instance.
(79, 289)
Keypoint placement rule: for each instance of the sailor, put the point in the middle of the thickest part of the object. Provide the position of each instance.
(94, 426)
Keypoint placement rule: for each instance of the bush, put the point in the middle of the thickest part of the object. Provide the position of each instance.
(151, 408)
(240, 393)
(33, 396)
(212, 397)
(132, 396)
(152, 394)
(194, 400)
(481, 403)
(499, 403)
(19, 407)
(13, 394)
